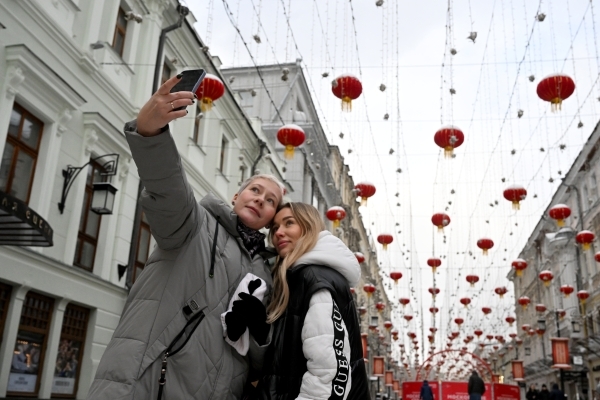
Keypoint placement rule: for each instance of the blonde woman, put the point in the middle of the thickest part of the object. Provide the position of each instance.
(316, 350)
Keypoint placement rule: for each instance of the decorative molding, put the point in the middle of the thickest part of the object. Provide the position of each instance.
(90, 140)
(63, 118)
(14, 79)
(124, 167)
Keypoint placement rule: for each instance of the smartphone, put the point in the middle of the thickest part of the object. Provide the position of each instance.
(189, 82)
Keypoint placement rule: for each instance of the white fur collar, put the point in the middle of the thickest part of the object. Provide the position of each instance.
(332, 252)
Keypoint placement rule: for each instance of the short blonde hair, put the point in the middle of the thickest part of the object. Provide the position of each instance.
(267, 177)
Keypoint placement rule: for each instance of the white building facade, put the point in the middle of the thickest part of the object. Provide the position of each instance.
(72, 72)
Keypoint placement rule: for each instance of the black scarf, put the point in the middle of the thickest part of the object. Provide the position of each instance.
(254, 241)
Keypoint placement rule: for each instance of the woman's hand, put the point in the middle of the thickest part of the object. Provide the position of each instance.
(162, 108)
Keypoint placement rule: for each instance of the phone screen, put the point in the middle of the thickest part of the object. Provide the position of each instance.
(190, 81)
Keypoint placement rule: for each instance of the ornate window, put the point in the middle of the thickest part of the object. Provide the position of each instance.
(120, 32)
(20, 153)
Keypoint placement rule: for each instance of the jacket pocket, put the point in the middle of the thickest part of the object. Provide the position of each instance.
(175, 346)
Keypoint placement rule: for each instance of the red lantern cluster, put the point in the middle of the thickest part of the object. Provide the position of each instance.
(585, 238)
(501, 291)
(364, 190)
(519, 265)
(336, 214)
(465, 301)
(210, 89)
(546, 277)
(515, 194)
(559, 212)
(291, 136)
(524, 301)
(485, 244)
(434, 263)
(555, 88)
(385, 239)
(396, 276)
(346, 87)
(472, 279)
(567, 290)
(448, 138)
(440, 220)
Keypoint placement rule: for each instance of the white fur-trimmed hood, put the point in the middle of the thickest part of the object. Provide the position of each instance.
(332, 252)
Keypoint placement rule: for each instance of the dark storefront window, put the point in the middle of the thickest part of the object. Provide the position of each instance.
(28, 356)
(70, 351)
(5, 291)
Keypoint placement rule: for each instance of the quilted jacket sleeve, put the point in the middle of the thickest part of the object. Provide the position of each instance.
(327, 350)
(167, 199)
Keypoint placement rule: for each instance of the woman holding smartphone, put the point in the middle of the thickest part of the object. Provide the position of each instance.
(316, 349)
(170, 342)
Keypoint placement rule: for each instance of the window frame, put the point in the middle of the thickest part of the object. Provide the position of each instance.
(170, 69)
(81, 232)
(44, 345)
(223, 155)
(120, 30)
(198, 125)
(80, 339)
(21, 146)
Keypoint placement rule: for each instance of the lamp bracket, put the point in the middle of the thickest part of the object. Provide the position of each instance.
(109, 169)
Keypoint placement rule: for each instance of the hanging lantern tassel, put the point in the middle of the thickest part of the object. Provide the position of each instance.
(448, 151)
(346, 104)
(288, 153)
(336, 222)
(206, 104)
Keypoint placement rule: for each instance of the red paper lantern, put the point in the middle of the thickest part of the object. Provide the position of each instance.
(364, 190)
(433, 329)
(292, 136)
(396, 275)
(352, 290)
(546, 277)
(388, 325)
(433, 310)
(335, 214)
(585, 238)
(478, 332)
(346, 87)
(485, 244)
(385, 239)
(515, 194)
(486, 310)
(501, 291)
(526, 327)
(472, 279)
(559, 212)
(434, 291)
(448, 138)
(567, 290)
(362, 310)
(519, 265)
(210, 89)
(380, 306)
(561, 313)
(555, 88)
(360, 257)
(540, 308)
(489, 337)
(440, 220)
(465, 301)
(524, 301)
(378, 365)
(597, 256)
(459, 321)
(404, 301)
(434, 263)
(369, 289)
(583, 295)
(455, 334)
(408, 317)
(510, 320)
(512, 335)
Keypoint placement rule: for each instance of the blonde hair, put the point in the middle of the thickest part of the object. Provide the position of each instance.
(267, 177)
(311, 224)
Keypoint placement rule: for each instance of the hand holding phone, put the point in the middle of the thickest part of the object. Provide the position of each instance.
(189, 82)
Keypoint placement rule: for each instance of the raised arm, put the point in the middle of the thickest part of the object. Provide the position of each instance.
(167, 198)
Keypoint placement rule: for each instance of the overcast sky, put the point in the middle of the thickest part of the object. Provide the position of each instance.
(407, 46)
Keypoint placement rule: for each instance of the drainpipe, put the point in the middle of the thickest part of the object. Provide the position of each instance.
(263, 146)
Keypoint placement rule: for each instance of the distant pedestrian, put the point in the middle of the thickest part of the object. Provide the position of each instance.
(544, 394)
(476, 387)
(532, 393)
(556, 393)
(426, 392)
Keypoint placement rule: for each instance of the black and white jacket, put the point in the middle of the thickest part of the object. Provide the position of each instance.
(316, 350)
